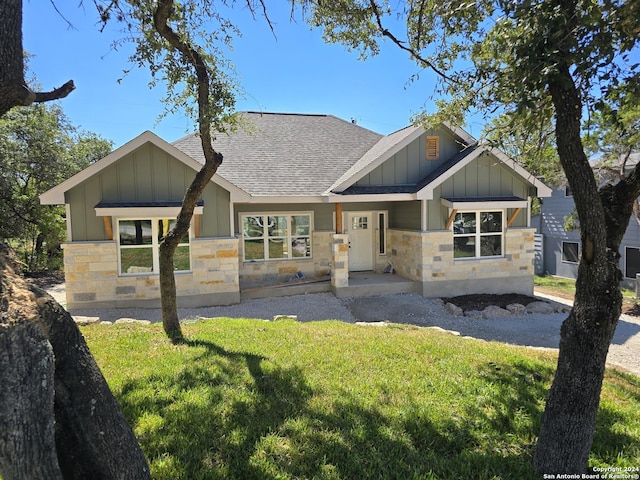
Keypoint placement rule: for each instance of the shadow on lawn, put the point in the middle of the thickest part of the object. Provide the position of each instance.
(237, 415)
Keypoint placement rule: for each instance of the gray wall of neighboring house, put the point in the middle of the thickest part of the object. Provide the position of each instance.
(550, 223)
(146, 174)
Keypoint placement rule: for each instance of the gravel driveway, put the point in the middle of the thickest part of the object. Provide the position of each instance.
(534, 330)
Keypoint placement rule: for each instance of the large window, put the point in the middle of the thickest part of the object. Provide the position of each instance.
(138, 242)
(478, 234)
(276, 237)
(570, 252)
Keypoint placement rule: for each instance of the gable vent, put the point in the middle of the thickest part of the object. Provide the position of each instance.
(433, 147)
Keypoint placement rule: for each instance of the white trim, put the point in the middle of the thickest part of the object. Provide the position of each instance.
(478, 234)
(56, 196)
(67, 208)
(143, 212)
(372, 197)
(569, 262)
(265, 237)
(484, 205)
(254, 199)
(424, 216)
(627, 247)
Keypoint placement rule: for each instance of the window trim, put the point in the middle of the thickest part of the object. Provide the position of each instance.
(478, 235)
(155, 245)
(562, 255)
(265, 237)
(382, 231)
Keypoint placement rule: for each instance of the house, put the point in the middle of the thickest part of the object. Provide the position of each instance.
(300, 195)
(561, 248)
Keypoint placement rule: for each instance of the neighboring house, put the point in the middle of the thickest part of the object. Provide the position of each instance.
(311, 195)
(561, 249)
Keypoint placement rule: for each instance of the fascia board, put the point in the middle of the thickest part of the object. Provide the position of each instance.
(169, 212)
(380, 197)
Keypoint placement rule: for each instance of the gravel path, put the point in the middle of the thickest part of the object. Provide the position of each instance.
(534, 330)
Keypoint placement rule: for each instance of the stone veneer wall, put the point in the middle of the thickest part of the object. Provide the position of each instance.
(92, 279)
(318, 265)
(428, 257)
(340, 261)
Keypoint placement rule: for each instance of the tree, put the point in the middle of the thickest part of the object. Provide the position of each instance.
(39, 148)
(521, 57)
(166, 35)
(14, 90)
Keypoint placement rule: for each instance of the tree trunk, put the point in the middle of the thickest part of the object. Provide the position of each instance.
(213, 160)
(568, 423)
(54, 380)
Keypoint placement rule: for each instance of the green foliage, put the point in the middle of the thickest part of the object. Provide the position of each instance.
(253, 399)
(205, 26)
(493, 56)
(39, 148)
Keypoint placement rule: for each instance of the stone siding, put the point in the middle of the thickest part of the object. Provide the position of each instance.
(319, 265)
(340, 261)
(92, 279)
(427, 257)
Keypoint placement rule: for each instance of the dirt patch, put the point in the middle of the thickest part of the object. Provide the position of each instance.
(628, 308)
(482, 301)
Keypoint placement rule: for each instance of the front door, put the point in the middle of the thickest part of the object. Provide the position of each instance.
(360, 230)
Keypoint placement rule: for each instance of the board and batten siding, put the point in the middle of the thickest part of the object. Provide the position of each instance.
(147, 174)
(485, 176)
(409, 165)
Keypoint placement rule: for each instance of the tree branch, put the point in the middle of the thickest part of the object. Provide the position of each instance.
(385, 32)
(56, 93)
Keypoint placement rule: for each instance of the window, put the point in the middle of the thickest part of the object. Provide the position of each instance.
(433, 147)
(631, 262)
(567, 191)
(276, 237)
(138, 242)
(382, 233)
(478, 234)
(570, 252)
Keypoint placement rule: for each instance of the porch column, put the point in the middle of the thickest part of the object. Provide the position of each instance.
(339, 227)
(339, 261)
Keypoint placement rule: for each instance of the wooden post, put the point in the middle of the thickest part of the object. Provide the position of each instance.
(196, 226)
(513, 217)
(108, 227)
(450, 219)
(339, 228)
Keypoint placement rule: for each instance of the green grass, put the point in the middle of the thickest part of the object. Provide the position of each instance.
(249, 399)
(568, 286)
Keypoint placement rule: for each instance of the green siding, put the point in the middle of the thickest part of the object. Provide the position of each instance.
(409, 165)
(146, 174)
(406, 215)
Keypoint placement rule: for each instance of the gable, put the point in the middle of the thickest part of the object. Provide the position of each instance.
(146, 174)
(410, 164)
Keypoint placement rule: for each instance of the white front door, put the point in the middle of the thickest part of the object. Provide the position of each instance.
(359, 227)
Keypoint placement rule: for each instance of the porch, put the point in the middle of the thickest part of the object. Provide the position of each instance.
(360, 284)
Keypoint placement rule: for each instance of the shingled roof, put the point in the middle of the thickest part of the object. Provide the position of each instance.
(283, 154)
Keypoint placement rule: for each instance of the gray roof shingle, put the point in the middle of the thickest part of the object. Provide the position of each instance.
(285, 154)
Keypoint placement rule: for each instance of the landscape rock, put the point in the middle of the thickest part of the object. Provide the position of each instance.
(473, 313)
(438, 301)
(540, 307)
(285, 317)
(133, 320)
(517, 308)
(82, 320)
(493, 311)
(454, 310)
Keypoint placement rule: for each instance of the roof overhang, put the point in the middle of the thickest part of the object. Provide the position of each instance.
(56, 196)
(143, 209)
(484, 203)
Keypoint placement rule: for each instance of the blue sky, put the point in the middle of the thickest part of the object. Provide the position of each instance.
(295, 72)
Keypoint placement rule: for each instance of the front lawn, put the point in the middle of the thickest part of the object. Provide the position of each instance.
(248, 399)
